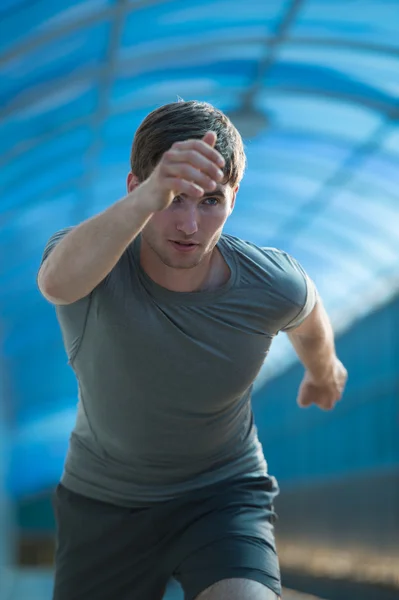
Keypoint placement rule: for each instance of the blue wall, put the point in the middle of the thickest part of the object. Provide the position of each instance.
(361, 434)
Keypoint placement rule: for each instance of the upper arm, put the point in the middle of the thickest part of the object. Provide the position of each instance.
(298, 292)
(314, 326)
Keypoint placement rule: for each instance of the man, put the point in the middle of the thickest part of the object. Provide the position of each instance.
(166, 322)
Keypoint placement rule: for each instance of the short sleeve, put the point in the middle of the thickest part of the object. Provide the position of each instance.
(71, 317)
(53, 241)
(300, 290)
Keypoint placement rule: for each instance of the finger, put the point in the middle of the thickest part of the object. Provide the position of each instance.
(189, 173)
(325, 403)
(319, 400)
(304, 401)
(197, 160)
(181, 186)
(210, 138)
(201, 147)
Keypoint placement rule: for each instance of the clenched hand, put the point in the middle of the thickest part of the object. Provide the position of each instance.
(326, 393)
(192, 167)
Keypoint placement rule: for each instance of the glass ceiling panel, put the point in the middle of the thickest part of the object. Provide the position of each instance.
(45, 115)
(29, 191)
(165, 86)
(348, 266)
(369, 22)
(279, 163)
(326, 82)
(35, 224)
(322, 116)
(242, 40)
(18, 251)
(35, 18)
(297, 153)
(292, 186)
(174, 57)
(268, 199)
(74, 12)
(171, 19)
(352, 249)
(375, 217)
(52, 62)
(391, 142)
(377, 70)
(381, 171)
(59, 149)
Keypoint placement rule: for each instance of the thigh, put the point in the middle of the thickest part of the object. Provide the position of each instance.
(231, 536)
(238, 589)
(103, 551)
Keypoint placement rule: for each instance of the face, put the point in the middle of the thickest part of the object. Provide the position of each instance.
(187, 231)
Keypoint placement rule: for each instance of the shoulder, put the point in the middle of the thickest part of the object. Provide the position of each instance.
(269, 266)
(285, 285)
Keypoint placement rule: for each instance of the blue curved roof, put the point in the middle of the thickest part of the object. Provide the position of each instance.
(313, 86)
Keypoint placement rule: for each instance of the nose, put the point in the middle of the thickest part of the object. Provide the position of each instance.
(188, 219)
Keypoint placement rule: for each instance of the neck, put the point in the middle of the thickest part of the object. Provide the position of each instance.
(210, 273)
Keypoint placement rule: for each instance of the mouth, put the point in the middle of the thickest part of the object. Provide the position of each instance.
(184, 246)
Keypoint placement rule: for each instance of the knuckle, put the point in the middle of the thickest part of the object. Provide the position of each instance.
(167, 155)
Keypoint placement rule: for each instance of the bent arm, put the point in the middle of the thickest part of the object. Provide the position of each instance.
(313, 342)
(87, 254)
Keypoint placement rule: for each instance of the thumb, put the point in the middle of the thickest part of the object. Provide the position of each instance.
(210, 138)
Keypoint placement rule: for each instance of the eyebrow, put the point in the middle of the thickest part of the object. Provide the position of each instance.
(211, 194)
(216, 192)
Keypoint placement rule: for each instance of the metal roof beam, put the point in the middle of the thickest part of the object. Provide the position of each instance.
(272, 45)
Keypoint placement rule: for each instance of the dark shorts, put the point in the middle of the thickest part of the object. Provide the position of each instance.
(220, 532)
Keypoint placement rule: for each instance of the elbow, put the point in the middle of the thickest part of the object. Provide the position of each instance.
(50, 289)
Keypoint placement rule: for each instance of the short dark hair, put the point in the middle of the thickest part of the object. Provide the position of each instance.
(179, 121)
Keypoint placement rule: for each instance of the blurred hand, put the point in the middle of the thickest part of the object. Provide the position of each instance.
(192, 167)
(326, 393)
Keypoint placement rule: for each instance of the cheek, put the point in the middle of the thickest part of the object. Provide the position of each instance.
(217, 218)
(159, 221)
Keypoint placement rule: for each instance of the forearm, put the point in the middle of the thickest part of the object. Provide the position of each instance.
(315, 346)
(86, 255)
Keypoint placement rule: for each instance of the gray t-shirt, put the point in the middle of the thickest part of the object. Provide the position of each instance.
(165, 377)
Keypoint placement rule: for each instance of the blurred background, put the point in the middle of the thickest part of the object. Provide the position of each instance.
(313, 86)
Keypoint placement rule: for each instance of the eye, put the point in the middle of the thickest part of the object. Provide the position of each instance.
(211, 201)
(177, 199)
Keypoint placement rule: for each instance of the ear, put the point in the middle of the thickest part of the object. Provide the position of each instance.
(233, 197)
(132, 182)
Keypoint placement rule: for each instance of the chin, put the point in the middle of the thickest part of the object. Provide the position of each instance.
(183, 263)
